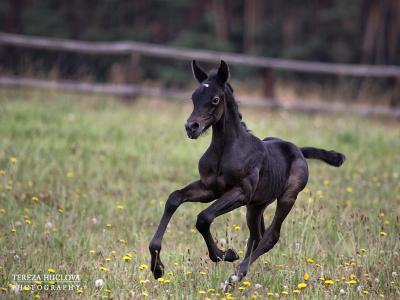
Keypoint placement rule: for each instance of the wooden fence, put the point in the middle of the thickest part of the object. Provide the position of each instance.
(134, 50)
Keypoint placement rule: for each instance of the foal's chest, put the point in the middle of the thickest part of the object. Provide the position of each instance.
(219, 172)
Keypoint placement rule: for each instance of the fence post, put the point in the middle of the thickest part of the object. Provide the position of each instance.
(395, 98)
(132, 71)
(268, 83)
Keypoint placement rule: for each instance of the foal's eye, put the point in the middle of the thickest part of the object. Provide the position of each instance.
(215, 101)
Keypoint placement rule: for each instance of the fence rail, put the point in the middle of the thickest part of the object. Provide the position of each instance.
(137, 90)
(124, 48)
(134, 50)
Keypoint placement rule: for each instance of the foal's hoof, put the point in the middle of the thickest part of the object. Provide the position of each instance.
(228, 255)
(231, 255)
(158, 270)
(229, 285)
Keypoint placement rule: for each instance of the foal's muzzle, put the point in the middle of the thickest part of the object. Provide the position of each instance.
(193, 129)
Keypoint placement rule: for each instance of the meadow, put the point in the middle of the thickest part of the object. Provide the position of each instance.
(84, 179)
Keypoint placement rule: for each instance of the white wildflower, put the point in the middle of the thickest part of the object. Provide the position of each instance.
(48, 225)
(99, 283)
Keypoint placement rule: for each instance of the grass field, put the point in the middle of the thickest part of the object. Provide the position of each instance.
(83, 182)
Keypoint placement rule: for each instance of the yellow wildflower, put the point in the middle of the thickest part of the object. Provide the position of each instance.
(126, 258)
(349, 189)
(161, 279)
(201, 292)
(102, 268)
(35, 199)
(296, 291)
(146, 294)
(120, 206)
(2, 210)
(352, 281)
(143, 267)
(246, 283)
(328, 281)
(383, 233)
(306, 276)
(286, 293)
(2, 172)
(302, 285)
(50, 270)
(13, 160)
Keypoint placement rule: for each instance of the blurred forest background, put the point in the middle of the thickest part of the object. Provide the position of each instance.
(342, 31)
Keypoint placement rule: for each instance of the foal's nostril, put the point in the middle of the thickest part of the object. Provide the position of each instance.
(194, 126)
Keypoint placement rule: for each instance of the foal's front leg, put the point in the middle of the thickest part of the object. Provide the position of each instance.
(194, 192)
(228, 202)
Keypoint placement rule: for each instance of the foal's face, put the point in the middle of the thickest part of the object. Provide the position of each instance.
(208, 108)
(208, 100)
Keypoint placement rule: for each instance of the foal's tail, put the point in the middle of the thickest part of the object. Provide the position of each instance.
(331, 157)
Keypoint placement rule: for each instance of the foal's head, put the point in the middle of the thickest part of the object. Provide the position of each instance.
(208, 99)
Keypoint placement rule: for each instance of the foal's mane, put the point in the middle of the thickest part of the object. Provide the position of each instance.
(229, 93)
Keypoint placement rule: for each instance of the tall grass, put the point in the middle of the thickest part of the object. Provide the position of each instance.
(84, 180)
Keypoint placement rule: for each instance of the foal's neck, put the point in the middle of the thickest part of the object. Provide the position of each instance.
(229, 127)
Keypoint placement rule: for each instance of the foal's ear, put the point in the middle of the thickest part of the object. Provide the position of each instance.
(223, 72)
(198, 73)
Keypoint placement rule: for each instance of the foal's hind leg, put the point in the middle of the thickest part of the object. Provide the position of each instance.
(296, 183)
(269, 239)
(255, 223)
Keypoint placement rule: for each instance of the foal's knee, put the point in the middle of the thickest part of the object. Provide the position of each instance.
(203, 221)
(173, 202)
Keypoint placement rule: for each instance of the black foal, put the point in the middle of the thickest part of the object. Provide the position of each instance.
(238, 169)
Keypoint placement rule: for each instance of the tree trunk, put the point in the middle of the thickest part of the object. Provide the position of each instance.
(253, 14)
(220, 9)
(13, 22)
(393, 30)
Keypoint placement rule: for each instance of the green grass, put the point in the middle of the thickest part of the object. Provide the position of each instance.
(93, 161)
